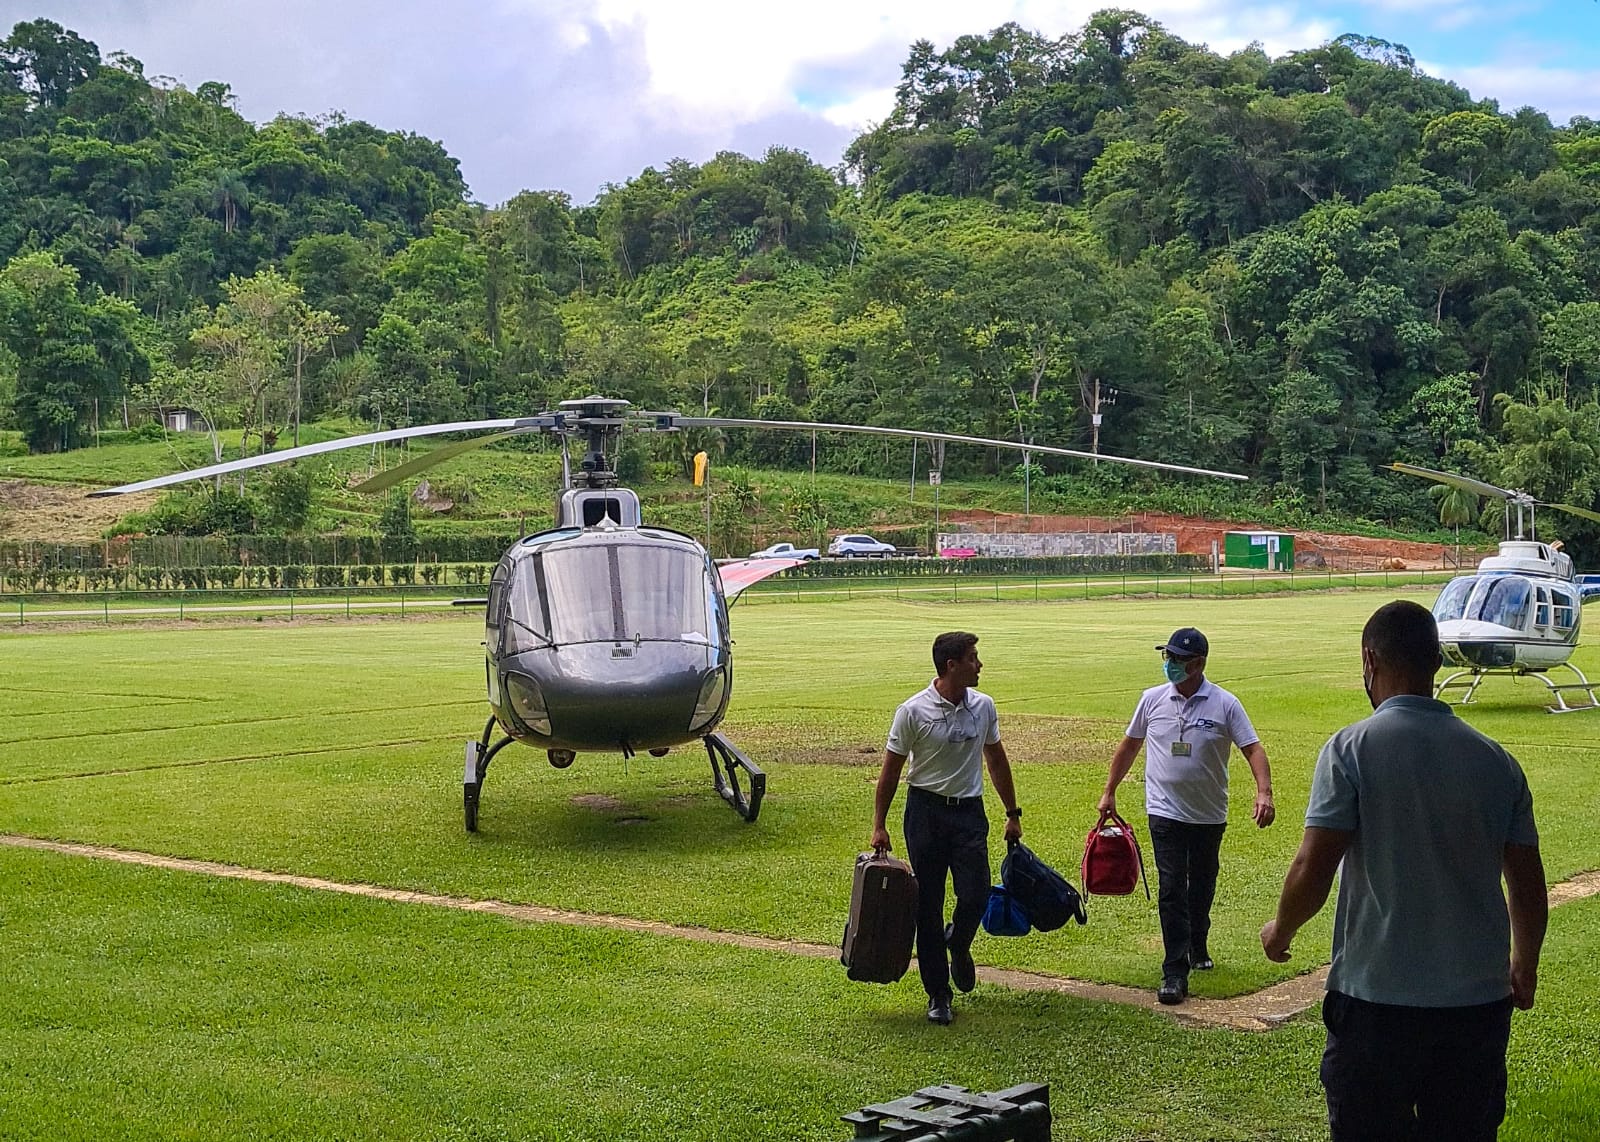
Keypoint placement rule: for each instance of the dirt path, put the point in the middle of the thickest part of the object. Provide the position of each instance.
(1262, 1010)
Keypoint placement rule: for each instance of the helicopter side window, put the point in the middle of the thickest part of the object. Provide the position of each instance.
(1452, 601)
(494, 612)
(1505, 603)
(1541, 610)
(1566, 611)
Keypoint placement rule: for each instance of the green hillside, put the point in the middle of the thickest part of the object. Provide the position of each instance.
(1301, 268)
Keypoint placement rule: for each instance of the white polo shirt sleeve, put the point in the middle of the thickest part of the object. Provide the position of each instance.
(1239, 727)
(902, 731)
(1139, 725)
(992, 734)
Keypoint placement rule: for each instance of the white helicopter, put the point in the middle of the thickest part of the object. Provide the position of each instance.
(1520, 614)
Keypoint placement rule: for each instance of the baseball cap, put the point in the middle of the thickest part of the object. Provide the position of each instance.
(1186, 642)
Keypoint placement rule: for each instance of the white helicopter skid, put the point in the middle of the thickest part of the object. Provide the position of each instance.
(1469, 680)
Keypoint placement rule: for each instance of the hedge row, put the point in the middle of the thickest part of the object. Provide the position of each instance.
(1006, 565)
(292, 575)
(176, 551)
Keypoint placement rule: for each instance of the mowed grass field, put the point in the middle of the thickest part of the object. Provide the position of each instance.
(144, 1003)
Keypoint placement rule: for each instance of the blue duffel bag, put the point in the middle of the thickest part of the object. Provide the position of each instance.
(1046, 898)
(1004, 916)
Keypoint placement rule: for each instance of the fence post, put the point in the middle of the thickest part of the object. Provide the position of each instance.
(291, 603)
(182, 594)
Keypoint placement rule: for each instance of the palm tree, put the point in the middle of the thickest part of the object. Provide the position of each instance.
(1456, 507)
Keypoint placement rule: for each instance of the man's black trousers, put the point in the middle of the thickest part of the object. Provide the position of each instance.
(1414, 1074)
(944, 839)
(1186, 861)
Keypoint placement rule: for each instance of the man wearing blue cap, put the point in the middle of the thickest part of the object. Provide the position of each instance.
(1188, 726)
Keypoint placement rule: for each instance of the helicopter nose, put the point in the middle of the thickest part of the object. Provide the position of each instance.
(597, 700)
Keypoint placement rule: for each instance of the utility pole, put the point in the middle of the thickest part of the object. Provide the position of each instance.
(1106, 400)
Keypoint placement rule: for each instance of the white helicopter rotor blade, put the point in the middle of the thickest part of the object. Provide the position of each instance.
(1465, 483)
(1584, 512)
(385, 480)
(530, 423)
(1043, 449)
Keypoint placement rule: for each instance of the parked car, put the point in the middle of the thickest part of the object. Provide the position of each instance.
(851, 545)
(786, 551)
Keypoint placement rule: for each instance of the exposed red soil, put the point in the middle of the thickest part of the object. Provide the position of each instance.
(1195, 536)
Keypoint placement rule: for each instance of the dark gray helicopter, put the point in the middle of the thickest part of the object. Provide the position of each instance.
(603, 633)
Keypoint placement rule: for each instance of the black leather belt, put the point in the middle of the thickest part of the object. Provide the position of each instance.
(953, 802)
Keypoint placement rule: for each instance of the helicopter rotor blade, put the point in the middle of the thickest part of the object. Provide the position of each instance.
(1465, 483)
(385, 480)
(1584, 512)
(529, 423)
(1043, 449)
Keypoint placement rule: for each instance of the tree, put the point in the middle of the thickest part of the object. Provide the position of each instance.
(310, 331)
(49, 60)
(70, 354)
(245, 344)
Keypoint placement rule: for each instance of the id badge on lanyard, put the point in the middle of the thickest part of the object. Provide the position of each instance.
(1181, 749)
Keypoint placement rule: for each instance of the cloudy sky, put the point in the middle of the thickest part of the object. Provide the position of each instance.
(572, 94)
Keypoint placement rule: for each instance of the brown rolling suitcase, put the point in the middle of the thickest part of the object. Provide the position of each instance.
(883, 920)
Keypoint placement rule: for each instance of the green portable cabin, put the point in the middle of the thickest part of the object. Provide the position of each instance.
(1263, 550)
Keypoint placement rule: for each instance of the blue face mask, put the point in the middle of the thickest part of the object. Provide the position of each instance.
(1175, 670)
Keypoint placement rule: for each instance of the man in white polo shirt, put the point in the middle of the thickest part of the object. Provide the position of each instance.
(947, 733)
(1188, 726)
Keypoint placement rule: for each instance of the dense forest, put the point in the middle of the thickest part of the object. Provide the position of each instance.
(1302, 268)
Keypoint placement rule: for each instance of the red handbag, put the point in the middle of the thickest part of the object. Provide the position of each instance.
(1112, 863)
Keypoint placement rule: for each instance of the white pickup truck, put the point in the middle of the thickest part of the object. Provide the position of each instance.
(786, 551)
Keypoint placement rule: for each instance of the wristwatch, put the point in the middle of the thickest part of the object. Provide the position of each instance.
(1015, 814)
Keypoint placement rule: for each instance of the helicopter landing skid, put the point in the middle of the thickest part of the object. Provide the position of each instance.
(479, 754)
(1558, 690)
(726, 762)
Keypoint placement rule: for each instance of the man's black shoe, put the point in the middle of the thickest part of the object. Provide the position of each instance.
(1172, 990)
(963, 972)
(939, 1010)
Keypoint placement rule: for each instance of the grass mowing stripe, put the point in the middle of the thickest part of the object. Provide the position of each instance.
(229, 722)
(239, 760)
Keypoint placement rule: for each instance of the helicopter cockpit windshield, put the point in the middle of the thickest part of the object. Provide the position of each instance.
(614, 592)
(1452, 601)
(1503, 600)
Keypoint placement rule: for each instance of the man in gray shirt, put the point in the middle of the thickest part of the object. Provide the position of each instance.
(948, 733)
(1426, 815)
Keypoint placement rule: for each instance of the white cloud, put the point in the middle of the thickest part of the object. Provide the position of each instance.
(733, 61)
(1560, 92)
